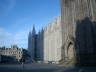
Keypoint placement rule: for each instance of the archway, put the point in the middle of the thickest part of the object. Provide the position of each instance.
(70, 51)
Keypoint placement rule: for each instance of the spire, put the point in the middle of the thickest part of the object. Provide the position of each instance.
(33, 31)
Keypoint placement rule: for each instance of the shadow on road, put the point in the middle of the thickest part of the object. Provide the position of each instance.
(23, 70)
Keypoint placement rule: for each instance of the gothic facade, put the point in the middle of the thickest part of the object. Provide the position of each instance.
(35, 45)
(53, 41)
(78, 30)
(71, 38)
(46, 44)
(32, 43)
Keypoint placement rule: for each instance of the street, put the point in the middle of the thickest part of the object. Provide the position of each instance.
(34, 67)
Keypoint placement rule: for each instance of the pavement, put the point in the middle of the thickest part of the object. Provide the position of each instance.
(35, 67)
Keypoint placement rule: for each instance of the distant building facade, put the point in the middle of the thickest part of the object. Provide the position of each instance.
(14, 51)
(47, 43)
(32, 44)
(35, 45)
(53, 41)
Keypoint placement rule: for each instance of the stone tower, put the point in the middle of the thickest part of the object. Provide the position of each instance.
(40, 46)
(31, 43)
(77, 17)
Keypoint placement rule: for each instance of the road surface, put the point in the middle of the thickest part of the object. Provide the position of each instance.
(34, 67)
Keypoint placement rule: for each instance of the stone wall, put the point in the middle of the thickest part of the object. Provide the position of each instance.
(77, 18)
(14, 51)
(53, 41)
(40, 46)
(32, 44)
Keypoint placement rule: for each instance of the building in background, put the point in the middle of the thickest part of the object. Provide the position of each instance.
(46, 45)
(32, 44)
(35, 45)
(39, 51)
(53, 41)
(14, 51)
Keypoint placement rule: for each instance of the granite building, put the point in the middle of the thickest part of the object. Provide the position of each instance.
(32, 43)
(78, 31)
(46, 44)
(53, 41)
(14, 51)
(35, 45)
(71, 38)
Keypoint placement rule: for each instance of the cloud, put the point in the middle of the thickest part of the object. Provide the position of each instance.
(4, 34)
(20, 35)
(21, 38)
(8, 39)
